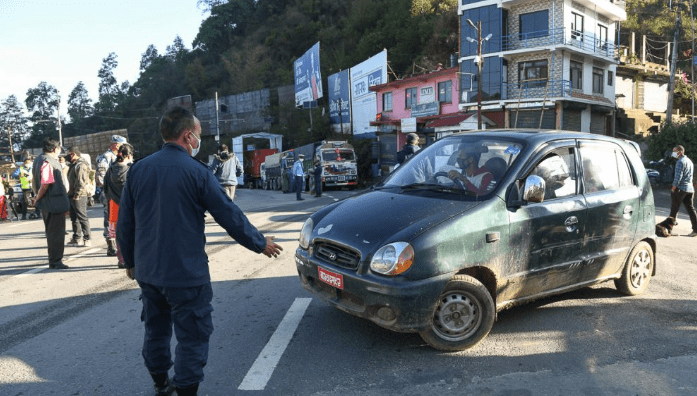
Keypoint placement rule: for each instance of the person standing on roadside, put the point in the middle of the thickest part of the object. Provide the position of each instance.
(161, 235)
(318, 178)
(683, 188)
(79, 192)
(227, 168)
(24, 173)
(104, 161)
(409, 149)
(52, 199)
(114, 180)
(298, 174)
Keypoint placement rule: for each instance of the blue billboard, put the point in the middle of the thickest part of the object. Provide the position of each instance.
(339, 102)
(308, 80)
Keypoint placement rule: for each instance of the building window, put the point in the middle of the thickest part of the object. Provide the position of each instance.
(576, 26)
(576, 70)
(598, 80)
(602, 37)
(387, 101)
(409, 97)
(445, 92)
(610, 78)
(534, 24)
(533, 73)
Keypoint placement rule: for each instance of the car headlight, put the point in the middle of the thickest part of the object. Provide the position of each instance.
(393, 259)
(306, 234)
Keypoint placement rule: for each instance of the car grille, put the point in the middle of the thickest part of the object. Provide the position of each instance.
(337, 255)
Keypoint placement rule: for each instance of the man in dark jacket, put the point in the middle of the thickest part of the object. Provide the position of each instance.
(161, 236)
(52, 199)
(79, 193)
(409, 149)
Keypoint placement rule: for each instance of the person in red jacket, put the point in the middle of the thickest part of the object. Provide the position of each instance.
(473, 177)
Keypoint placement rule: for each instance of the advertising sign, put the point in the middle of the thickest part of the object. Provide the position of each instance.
(308, 80)
(408, 124)
(364, 106)
(339, 102)
(427, 95)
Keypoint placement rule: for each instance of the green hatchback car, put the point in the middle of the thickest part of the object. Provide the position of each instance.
(478, 222)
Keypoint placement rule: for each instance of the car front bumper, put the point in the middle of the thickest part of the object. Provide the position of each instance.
(395, 303)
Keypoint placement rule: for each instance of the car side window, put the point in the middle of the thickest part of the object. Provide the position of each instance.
(604, 168)
(558, 170)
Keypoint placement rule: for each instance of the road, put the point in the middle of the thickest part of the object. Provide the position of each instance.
(78, 332)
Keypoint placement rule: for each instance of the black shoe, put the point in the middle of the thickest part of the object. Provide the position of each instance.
(301, 199)
(121, 265)
(190, 391)
(58, 266)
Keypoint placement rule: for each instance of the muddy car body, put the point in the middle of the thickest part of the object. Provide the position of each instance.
(478, 222)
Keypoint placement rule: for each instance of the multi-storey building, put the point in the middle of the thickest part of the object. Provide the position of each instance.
(546, 63)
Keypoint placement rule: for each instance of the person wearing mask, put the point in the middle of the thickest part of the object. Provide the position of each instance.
(161, 236)
(104, 161)
(409, 149)
(472, 177)
(298, 174)
(79, 192)
(114, 180)
(24, 174)
(682, 190)
(52, 199)
(227, 168)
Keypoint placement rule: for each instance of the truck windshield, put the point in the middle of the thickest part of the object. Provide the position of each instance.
(476, 164)
(338, 155)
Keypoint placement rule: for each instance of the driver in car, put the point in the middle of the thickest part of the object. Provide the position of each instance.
(473, 177)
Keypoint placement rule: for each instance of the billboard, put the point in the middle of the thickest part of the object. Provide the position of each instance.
(308, 80)
(364, 105)
(339, 102)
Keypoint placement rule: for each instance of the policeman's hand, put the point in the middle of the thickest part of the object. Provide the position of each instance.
(272, 249)
(130, 273)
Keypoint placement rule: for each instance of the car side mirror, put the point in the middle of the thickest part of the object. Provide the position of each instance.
(534, 189)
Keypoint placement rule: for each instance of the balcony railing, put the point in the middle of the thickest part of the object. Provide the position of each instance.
(559, 36)
(537, 89)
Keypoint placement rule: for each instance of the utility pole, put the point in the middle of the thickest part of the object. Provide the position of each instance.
(671, 84)
(60, 130)
(692, 64)
(217, 122)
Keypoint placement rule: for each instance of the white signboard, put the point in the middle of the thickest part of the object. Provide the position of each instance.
(364, 106)
(427, 95)
(409, 124)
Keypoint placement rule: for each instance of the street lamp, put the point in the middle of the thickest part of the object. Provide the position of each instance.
(480, 63)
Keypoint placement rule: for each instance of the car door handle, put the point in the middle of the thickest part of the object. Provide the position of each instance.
(628, 210)
(570, 223)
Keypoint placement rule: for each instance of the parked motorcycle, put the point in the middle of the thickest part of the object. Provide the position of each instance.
(660, 172)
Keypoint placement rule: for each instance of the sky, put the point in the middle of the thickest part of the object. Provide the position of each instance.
(63, 42)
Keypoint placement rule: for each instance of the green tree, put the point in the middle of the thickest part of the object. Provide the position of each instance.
(148, 57)
(684, 134)
(12, 118)
(42, 104)
(108, 86)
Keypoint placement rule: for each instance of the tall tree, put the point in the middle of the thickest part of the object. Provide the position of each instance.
(42, 103)
(148, 57)
(12, 118)
(108, 86)
(79, 103)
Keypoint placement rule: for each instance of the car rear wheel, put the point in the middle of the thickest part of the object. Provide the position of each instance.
(464, 315)
(637, 271)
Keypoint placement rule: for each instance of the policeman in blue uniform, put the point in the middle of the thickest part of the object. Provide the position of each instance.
(161, 235)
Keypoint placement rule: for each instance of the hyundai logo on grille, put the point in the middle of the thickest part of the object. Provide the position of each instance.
(332, 256)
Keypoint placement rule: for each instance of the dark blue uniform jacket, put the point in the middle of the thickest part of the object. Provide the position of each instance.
(160, 229)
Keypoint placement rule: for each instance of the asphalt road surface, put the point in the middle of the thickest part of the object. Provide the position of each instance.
(78, 331)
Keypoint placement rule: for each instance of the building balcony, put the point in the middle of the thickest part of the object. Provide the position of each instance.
(537, 90)
(572, 40)
(615, 10)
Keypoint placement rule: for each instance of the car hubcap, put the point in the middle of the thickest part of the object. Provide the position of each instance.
(457, 317)
(641, 267)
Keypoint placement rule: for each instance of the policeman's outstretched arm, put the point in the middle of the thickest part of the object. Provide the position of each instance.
(272, 249)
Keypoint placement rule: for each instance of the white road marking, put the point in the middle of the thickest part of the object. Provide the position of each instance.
(73, 257)
(259, 374)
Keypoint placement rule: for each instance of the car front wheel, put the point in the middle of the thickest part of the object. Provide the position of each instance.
(464, 315)
(637, 271)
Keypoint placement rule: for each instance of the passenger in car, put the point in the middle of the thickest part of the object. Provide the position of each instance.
(473, 177)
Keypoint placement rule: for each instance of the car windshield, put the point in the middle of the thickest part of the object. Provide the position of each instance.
(472, 164)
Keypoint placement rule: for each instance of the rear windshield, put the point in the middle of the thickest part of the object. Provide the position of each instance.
(338, 155)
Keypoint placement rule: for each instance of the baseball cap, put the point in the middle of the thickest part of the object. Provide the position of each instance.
(118, 139)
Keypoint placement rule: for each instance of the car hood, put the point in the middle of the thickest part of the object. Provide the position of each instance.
(368, 221)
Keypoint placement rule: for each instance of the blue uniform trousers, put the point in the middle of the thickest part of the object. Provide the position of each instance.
(189, 310)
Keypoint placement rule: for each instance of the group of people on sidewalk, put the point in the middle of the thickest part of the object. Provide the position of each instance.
(68, 189)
